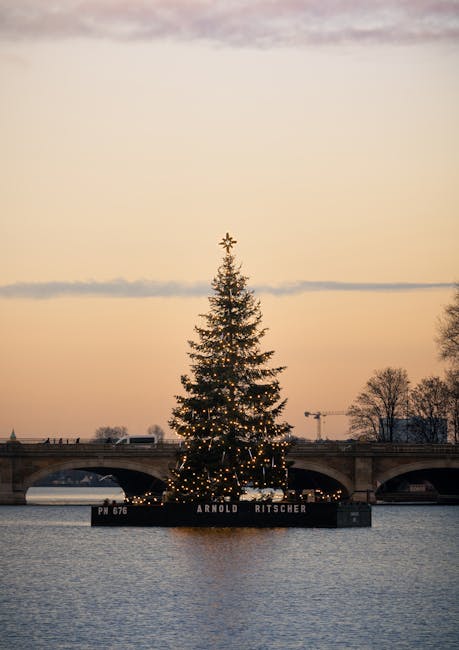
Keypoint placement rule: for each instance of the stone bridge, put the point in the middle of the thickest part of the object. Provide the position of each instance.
(358, 468)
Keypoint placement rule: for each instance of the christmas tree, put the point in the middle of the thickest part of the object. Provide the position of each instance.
(229, 414)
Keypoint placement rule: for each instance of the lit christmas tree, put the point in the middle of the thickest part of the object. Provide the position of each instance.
(229, 416)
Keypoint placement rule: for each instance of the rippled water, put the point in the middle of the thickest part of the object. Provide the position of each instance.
(67, 585)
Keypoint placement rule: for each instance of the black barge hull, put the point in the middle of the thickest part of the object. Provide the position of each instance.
(235, 515)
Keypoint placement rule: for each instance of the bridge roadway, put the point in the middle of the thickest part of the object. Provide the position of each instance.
(359, 467)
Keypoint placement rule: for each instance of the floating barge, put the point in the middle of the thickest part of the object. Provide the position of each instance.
(239, 514)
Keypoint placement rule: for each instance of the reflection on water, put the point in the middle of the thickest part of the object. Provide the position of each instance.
(220, 553)
(236, 567)
(72, 495)
(67, 585)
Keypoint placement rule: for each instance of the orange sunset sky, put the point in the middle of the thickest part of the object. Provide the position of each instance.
(322, 135)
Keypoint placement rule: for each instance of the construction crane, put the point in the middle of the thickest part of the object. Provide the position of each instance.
(318, 416)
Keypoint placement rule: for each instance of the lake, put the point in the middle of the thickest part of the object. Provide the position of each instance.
(72, 495)
(65, 585)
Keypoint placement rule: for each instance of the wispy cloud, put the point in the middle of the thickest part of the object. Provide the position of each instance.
(324, 285)
(117, 288)
(254, 23)
(120, 288)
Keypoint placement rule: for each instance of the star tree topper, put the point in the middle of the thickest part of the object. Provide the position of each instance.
(228, 242)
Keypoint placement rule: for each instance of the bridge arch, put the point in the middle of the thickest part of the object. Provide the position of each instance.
(425, 464)
(326, 470)
(146, 474)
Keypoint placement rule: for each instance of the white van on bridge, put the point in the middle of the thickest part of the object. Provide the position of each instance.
(145, 441)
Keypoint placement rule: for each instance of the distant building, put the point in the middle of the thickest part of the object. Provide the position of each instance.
(414, 430)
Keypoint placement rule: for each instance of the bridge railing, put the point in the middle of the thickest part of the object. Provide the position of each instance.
(352, 447)
(77, 441)
(410, 448)
(84, 445)
(299, 447)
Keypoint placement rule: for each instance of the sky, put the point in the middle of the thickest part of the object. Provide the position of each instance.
(321, 134)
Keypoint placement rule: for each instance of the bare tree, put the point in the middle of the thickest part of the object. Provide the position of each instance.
(448, 331)
(448, 343)
(110, 433)
(429, 406)
(452, 380)
(380, 404)
(157, 431)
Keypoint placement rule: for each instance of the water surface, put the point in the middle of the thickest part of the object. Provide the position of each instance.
(66, 585)
(72, 495)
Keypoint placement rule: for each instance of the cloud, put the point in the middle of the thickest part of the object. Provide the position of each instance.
(117, 288)
(324, 285)
(253, 23)
(120, 288)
